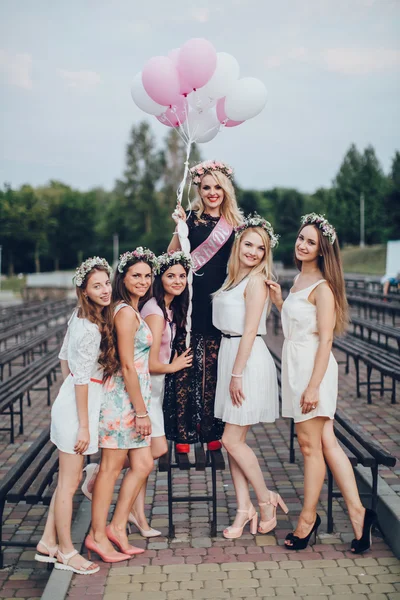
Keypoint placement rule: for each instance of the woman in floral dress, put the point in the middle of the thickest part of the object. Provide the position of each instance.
(125, 427)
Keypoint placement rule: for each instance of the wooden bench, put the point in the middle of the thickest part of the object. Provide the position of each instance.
(358, 447)
(14, 389)
(365, 330)
(38, 344)
(203, 460)
(21, 330)
(374, 309)
(375, 358)
(31, 480)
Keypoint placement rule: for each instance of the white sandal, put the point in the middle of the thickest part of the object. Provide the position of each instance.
(64, 566)
(46, 558)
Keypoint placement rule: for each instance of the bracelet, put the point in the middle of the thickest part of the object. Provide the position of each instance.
(233, 375)
(146, 414)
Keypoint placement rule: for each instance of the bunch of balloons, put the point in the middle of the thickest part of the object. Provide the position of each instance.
(198, 91)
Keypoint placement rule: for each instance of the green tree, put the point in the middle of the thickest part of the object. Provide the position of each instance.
(287, 206)
(391, 202)
(347, 188)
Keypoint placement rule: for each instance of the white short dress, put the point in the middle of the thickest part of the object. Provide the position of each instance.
(80, 348)
(260, 385)
(299, 324)
(158, 379)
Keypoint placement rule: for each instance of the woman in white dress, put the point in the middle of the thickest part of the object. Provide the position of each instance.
(75, 412)
(164, 313)
(247, 387)
(316, 309)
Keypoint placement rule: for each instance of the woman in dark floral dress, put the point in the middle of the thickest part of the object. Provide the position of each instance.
(189, 394)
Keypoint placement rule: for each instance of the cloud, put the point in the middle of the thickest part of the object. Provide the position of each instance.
(16, 69)
(360, 61)
(348, 61)
(80, 79)
(201, 15)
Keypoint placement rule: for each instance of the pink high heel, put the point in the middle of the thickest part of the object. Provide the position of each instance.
(274, 499)
(130, 550)
(232, 533)
(91, 470)
(91, 546)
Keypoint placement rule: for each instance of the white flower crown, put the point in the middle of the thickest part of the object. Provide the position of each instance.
(87, 266)
(138, 254)
(323, 224)
(255, 220)
(165, 261)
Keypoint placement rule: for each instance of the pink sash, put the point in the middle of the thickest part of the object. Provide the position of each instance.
(209, 248)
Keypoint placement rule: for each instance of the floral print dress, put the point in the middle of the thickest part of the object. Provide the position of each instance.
(117, 414)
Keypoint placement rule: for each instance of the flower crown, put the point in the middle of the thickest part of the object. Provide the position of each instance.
(140, 254)
(87, 266)
(207, 167)
(255, 220)
(165, 261)
(323, 224)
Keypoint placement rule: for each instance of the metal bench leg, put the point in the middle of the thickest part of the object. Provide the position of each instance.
(2, 504)
(214, 501)
(29, 398)
(330, 501)
(357, 366)
(393, 401)
(291, 450)
(12, 424)
(48, 389)
(369, 370)
(374, 493)
(382, 384)
(347, 364)
(21, 415)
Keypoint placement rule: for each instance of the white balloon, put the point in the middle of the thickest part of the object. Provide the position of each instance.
(246, 99)
(225, 75)
(200, 100)
(202, 126)
(143, 100)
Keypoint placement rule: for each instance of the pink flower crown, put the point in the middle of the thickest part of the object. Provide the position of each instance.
(140, 254)
(323, 224)
(254, 220)
(207, 167)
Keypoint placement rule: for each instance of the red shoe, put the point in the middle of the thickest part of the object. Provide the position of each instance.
(182, 448)
(215, 445)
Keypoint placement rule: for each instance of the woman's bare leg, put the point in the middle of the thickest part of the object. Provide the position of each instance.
(343, 474)
(309, 436)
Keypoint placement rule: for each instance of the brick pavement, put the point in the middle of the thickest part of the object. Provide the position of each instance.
(196, 566)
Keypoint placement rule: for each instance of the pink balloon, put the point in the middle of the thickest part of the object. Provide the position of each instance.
(161, 80)
(185, 86)
(176, 114)
(221, 114)
(197, 62)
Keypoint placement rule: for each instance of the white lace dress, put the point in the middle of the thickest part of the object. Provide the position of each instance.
(80, 348)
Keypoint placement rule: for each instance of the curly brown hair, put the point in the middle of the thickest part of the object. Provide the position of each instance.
(103, 320)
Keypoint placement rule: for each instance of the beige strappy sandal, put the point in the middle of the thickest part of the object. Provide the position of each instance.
(50, 557)
(64, 566)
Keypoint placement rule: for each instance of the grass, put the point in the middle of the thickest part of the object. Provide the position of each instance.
(370, 260)
(14, 284)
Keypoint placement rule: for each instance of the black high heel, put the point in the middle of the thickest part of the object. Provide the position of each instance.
(301, 543)
(365, 541)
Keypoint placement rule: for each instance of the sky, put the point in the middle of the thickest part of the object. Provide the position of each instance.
(331, 68)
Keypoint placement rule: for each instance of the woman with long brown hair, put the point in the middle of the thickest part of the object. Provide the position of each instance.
(189, 396)
(87, 348)
(125, 426)
(315, 310)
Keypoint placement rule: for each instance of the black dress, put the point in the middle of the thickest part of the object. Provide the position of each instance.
(190, 393)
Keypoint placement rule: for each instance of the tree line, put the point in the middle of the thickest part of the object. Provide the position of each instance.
(55, 226)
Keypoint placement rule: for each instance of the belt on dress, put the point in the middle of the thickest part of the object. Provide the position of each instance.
(229, 336)
(92, 379)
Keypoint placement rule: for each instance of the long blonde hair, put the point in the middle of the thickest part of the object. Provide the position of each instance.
(264, 268)
(330, 265)
(229, 206)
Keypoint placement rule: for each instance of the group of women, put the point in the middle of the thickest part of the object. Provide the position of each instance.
(130, 382)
